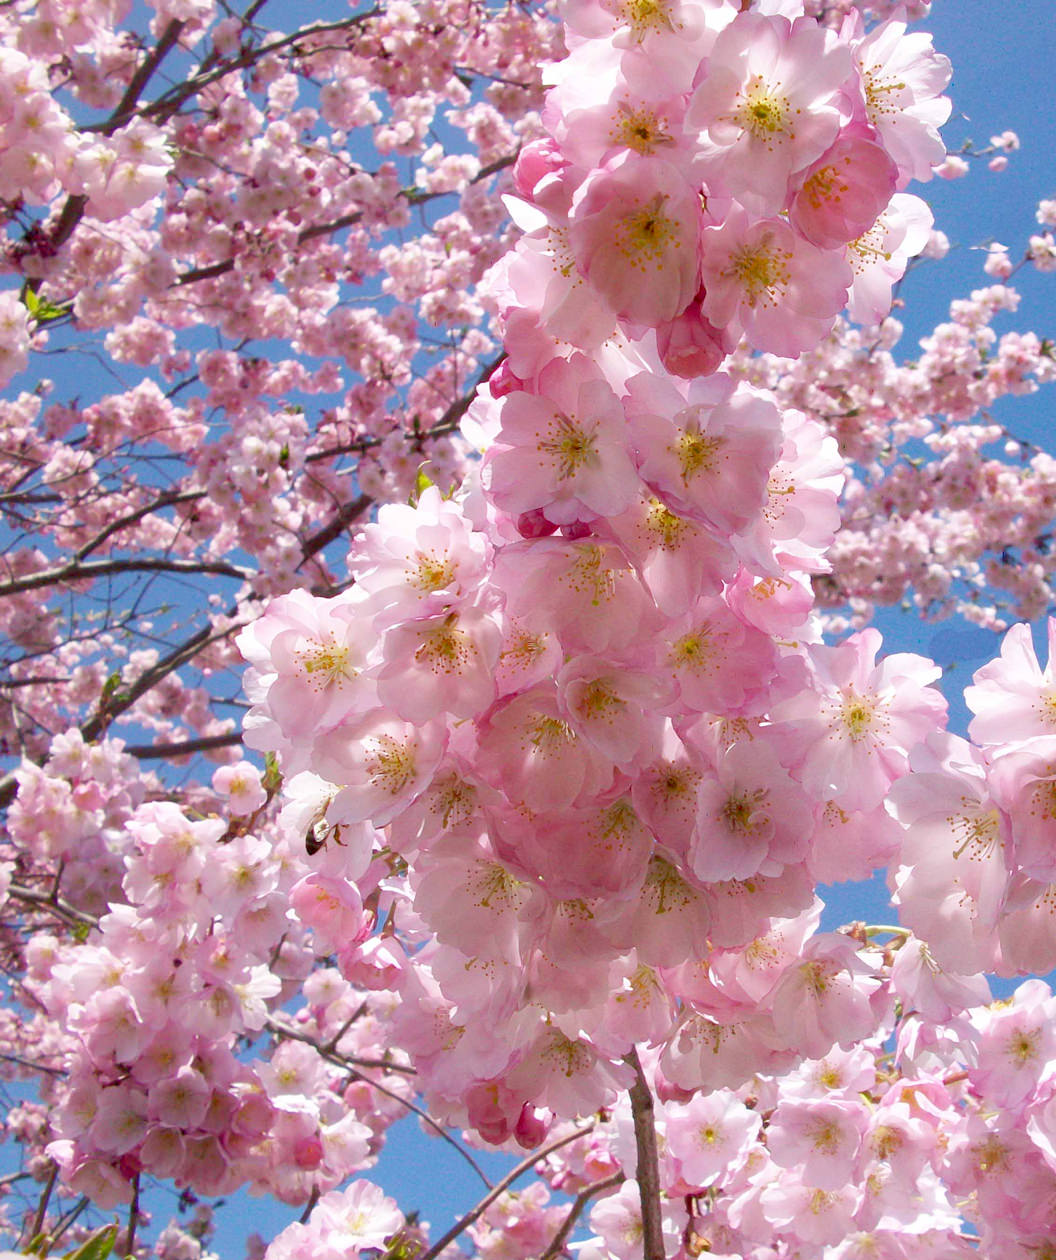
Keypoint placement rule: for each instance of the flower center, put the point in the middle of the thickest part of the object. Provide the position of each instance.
(739, 812)
(569, 447)
(878, 96)
(762, 272)
(431, 573)
(696, 452)
(644, 236)
(643, 16)
(638, 129)
(390, 764)
(325, 663)
(445, 648)
(763, 112)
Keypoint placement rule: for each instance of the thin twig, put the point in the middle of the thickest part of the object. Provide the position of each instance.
(42, 1206)
(328, 1050)
(57, 906)
(66, 1221)
(133, 1217)
(313, 1199)
(352, 1065)
(557, 1243)
(526, 1165)
(335, 527)
(35, 1067)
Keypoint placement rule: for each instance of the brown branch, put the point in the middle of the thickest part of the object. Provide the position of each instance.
(648, 1167)
(54, 904)
(167, 105)
(313, 1199)
(557, 1243)
(342, 1061)
(204, 273)
(127, 104)
(133, 1219)
(114, 705)
(336, 526)
(526, 1165)
(163, 501)
(73, 208)
(34, 1067)
(414, 197)
(452, 417)
(149, 752)
(42, 1206)
(328, 1051)
(73, 571)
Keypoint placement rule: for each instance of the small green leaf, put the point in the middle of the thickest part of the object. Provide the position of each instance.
(422, 482)
(111, 685)
(41, 309)
(272, 774)
(96, 1246)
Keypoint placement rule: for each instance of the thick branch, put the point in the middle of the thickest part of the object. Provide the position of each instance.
(648, 1170)
(124, 698)
(167, 105)
(452, 417)
(141, 78)
(73, 208)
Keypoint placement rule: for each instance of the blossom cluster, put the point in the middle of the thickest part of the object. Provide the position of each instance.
(564, 750)
(584, 705)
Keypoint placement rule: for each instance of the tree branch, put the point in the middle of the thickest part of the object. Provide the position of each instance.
(342, 1062)
(336, 526)
(413, 196)
(524, 1166)
(126, 106)
(53, 903)
(150, 752)
(165, 500)
(557, 1243)
(167, 105)
(648, 1169)
(76, 571)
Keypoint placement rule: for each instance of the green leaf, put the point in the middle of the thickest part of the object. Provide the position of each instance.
(422, 482)
(111, 685)
(41, 309)
(96, 1246)
(272, 774)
